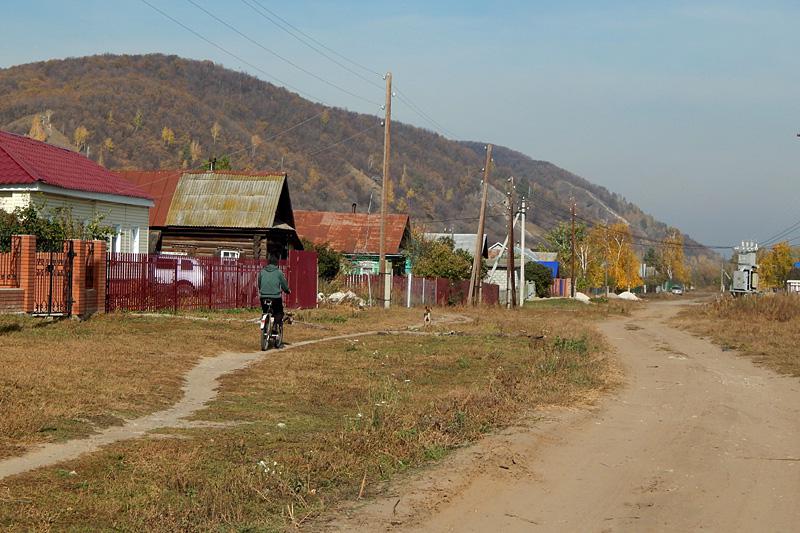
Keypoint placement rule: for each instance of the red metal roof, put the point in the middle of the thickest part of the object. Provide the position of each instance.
(25, 161)
(351, 233)
(160, 185)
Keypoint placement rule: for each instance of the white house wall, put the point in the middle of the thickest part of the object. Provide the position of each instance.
(126, 217)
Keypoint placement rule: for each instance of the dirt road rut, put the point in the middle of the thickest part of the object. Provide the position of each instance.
(698, 439)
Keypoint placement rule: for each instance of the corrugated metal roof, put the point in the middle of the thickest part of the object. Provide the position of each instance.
(462, 241)
(27, 161)
(352, 233)
(226, 200)
(204, 199)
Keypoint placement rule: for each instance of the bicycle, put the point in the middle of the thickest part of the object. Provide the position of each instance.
(271, 332)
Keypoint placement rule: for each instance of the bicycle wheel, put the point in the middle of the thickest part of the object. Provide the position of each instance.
(278, 335)
(264, 340)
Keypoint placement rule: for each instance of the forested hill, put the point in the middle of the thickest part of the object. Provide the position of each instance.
(158, 111)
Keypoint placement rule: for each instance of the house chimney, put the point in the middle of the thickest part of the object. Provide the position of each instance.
(355, 205)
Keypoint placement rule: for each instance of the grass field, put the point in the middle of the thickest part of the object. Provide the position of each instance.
(765, 328)
(311, 426)
(64, 379)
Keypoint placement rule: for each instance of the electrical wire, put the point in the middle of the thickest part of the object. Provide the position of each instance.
(337, 143)
(228, 52)
(282, 58)
(294, 31)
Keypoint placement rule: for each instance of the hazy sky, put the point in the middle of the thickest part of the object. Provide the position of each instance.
(689, 109)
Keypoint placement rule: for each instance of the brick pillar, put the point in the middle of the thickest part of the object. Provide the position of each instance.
(100, 258)
(27, 271)
(78, 278)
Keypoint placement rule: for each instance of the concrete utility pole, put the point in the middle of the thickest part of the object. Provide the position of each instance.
(572, 274)
(511, 300)
(475, 278)
(523, 289)
(385, 274)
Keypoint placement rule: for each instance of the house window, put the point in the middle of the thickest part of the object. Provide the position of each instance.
(115, 240)
(229, 254)
(135, 240)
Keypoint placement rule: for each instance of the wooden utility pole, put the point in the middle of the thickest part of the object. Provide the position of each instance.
(511, 300)
(523, 287)
(572, 288)
(475, 278)
(387, 138)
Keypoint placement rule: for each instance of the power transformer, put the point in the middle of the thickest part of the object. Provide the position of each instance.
(745, 278)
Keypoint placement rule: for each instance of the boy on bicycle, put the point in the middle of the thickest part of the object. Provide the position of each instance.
(271, 282)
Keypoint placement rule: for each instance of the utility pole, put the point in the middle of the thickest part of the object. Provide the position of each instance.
(387, 138)
(572, 288)
(475, 278)
(511, 300)
(722, 278)
(523, 289)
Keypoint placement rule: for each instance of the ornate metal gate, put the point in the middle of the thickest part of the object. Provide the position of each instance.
(53, 282)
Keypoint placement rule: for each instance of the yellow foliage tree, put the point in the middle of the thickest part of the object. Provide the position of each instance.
(195, 151)
(108, 145)
(255, 142)
(615, 255)
(672, 259)
(167, 136)
(37, 129)
(81, 136)
(774, 265)
(216, 129)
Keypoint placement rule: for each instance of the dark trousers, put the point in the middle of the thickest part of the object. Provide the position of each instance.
(277, 308)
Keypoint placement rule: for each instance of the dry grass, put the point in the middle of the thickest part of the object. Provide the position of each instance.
(65, 379)
(765, 328)
(317, 424)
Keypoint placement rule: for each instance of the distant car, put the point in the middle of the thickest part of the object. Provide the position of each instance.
(677, 290)
(190, 273)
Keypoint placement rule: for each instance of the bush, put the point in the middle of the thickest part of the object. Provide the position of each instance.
(329, 261)
(541, 275)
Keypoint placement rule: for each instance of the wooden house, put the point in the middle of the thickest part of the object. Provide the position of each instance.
(222, 214)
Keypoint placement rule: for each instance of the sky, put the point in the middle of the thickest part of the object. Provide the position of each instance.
(688, 109)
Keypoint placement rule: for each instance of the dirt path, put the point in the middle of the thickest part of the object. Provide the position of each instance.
(698, 439)
(200, 387)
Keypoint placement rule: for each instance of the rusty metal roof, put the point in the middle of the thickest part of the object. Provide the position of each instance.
(226, 199)
(352, 233)
(159, 185)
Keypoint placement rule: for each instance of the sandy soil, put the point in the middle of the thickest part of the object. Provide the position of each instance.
(698, 439)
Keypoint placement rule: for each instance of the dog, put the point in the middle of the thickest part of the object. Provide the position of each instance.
(427, 316)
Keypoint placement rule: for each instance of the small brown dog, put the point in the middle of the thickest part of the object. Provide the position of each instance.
(427, 317)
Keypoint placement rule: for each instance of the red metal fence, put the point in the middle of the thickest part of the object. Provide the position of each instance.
(9, 265)
(139, 282)
(424, 291)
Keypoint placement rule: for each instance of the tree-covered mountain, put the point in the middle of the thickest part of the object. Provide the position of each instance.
(158, 112)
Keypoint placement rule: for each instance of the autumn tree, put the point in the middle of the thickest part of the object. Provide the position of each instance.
(138, 120)
(80, 137)
(559, 239)
(671, 257)
(37, 129)
(108, 145)
(325, 117)
(774, 265)
(255, 142)
(216, 130)
(167, 136)
(619, 261)
(195, 151)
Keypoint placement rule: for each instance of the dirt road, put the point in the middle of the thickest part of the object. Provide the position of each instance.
(697, 439)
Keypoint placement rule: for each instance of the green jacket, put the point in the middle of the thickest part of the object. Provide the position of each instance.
(271, 281)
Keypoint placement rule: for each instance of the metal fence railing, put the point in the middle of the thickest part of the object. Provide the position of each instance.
(9, 264)
(410, 291)
(141, 282)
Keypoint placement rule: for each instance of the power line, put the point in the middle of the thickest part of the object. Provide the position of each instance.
(331, 50)
(295, 30)
(304, 38)
(337, 143)
(226, 51)
(279, 56)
